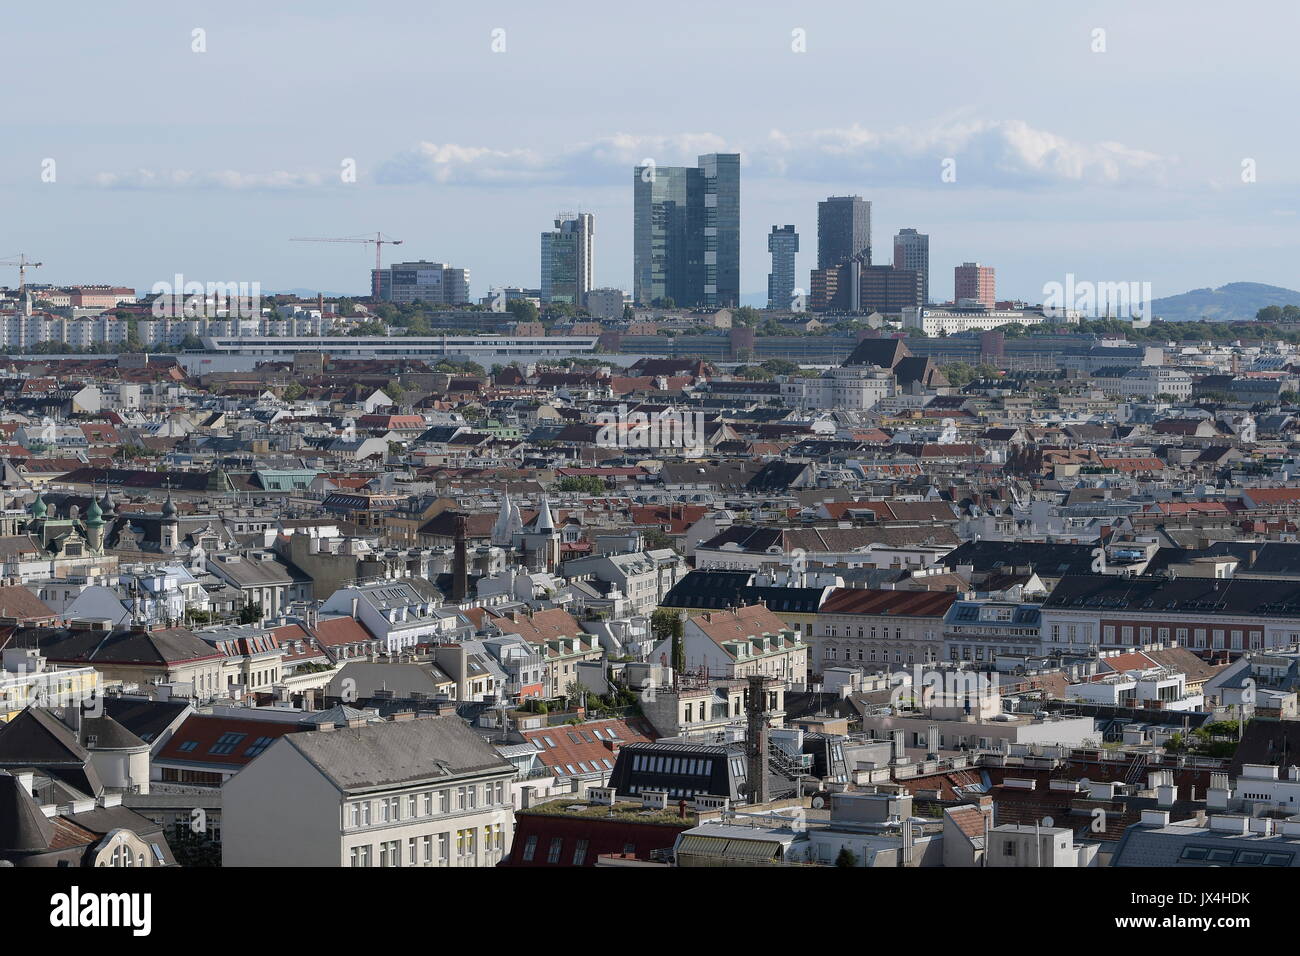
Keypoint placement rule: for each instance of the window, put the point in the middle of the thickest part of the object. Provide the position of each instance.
(257, 746)
(530, 848)
(580, 853)
(553, 855)
(226, 743)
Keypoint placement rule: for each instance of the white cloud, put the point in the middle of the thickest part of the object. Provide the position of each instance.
(1007, 153)
(1003, 153)
(222, 179)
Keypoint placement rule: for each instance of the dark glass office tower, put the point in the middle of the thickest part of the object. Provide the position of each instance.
(843, 230)
(720, 173)
(686, 233)
(783, 243)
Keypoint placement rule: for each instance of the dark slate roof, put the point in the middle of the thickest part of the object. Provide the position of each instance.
(23, 827)
(1268, 741)
(885, 353)
(1194, 596)
(36, 737)
(107, 734)
(129, 646)
(144, 718)
(777, 475)
(1270, 557)
(409, 751)
(716, 590)
(1052, 560)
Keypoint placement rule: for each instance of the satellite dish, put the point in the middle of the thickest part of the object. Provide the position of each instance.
(1048, 822)
(818, 803)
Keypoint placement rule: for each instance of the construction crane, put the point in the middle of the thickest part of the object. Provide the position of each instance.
(23, 264)
(380, 240)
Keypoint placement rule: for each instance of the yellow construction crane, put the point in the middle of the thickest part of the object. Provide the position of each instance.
(23, 264)
(379, 240)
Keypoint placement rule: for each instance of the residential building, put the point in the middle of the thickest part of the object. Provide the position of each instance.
(974, 282)
(425, 791)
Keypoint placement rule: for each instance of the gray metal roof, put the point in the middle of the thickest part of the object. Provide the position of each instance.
(434, 749)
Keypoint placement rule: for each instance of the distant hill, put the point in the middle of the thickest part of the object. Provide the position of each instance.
(1234, 302)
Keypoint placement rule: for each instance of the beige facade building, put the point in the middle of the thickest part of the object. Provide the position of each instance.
(409, 792)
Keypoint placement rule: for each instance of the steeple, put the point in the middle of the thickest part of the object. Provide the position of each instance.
(501, 529)
(95, 527)
(544, 520)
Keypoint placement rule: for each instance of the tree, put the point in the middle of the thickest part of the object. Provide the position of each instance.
(666, 624)
(294, 391)
(250, 614)
(581, 484)
(194, 849)
(522, 310)
(846, 858)
(780, 366)
(658, 538)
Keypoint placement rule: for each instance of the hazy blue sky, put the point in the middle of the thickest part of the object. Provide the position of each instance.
(1123, 165)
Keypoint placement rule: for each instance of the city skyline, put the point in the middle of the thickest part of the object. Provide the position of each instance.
(1118, 182)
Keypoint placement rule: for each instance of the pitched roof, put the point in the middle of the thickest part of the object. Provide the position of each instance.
(590, 747)
(402, 752)
(892, 603)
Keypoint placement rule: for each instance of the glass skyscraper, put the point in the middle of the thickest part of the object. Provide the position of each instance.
(843, 231)
(783, 243)
(568, 257)
(686, 233)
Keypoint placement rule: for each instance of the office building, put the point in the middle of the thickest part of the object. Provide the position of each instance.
(432, 283)
(857, 286)
(912, 251)
(568, 259)
(782, 243)
(605, 303)
(972, 281)
(686, 233)
(843, 230)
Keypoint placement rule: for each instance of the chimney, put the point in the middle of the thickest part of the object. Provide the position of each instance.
(460, 563)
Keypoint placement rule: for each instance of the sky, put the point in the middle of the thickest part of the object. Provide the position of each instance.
(1146, 141)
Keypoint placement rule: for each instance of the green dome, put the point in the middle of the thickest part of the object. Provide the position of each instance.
(38, 507)
(94, 515)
